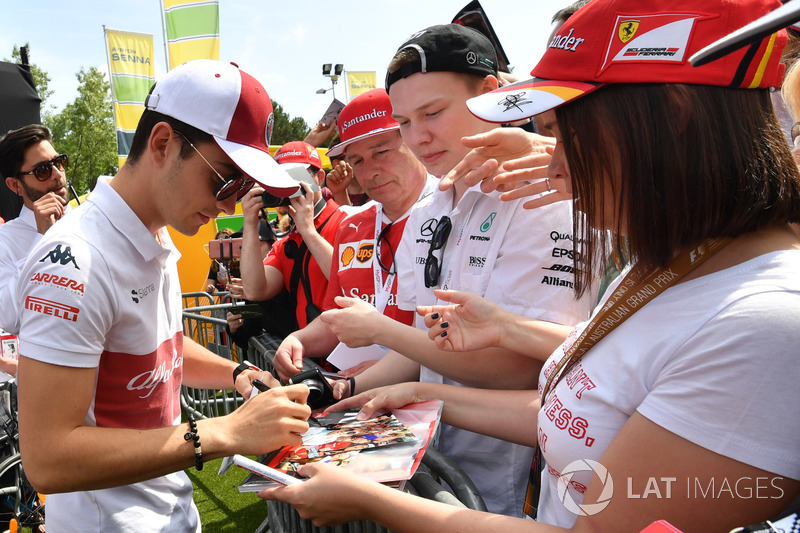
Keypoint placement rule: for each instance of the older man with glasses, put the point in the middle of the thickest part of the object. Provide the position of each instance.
(34, 170)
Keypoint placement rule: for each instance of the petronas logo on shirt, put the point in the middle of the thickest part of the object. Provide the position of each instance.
(488, 222)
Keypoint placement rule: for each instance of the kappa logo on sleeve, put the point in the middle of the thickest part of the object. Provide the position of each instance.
(57, 255)
(49, 307)
(659, 37)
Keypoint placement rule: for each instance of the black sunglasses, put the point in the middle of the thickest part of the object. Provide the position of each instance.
(44, 170)
(238, 185)
(433, 266)
(384, 236)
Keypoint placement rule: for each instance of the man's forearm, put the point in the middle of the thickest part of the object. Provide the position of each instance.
(321, 249)
(203, 369)
(391, 369)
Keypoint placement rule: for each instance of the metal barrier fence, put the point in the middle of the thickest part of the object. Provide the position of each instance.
(204, 321)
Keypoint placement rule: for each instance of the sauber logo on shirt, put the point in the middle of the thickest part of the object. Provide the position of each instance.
(57, 255)
(660, 37)
(59, 281)
(49, 307)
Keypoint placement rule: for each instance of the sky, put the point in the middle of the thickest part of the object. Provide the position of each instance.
(282, 44)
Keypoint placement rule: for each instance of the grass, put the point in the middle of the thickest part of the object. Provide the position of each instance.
(222, 507)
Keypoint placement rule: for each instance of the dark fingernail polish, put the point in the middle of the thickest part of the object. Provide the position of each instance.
(434, 316)
(445, 324)
(444, 334)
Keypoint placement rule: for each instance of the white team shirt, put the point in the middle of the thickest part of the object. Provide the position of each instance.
(99, 291)
(519, 259)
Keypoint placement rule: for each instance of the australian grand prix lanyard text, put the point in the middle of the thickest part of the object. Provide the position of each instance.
(382, 289)
(634, 291)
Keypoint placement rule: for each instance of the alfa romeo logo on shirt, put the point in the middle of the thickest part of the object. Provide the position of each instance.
(427, 228)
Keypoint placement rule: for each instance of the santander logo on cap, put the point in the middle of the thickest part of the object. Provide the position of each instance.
(367, 114)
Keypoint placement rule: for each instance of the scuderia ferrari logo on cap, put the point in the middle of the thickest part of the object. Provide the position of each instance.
(648, 38)
(627, 29)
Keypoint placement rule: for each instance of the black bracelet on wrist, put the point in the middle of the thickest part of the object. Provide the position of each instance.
(238, 370)
(193, 436)
(352, 382)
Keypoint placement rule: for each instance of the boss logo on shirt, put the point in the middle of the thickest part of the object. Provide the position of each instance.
(479, 262)
(49, 307)
(57, 255)
(59, 281)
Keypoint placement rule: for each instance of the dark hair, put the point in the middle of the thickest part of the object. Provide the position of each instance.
(145, 127)
(409, 55)
(692, 162)
(15, 143)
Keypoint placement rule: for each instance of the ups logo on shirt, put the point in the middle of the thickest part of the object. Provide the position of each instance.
(365, 251)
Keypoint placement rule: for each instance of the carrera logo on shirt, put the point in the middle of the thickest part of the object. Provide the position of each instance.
(59, 281)
(365, 252)
(49, 307)
(57, 255)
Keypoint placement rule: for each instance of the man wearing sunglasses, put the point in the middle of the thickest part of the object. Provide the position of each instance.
(35, 171)
(102, 351)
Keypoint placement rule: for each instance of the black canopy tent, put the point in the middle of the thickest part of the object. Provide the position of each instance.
(19, 106)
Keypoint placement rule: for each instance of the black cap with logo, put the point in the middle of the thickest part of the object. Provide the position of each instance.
(448, 48)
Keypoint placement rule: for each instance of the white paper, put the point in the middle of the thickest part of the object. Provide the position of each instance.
(345, 357)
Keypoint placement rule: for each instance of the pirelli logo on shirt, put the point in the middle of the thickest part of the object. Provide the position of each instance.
(49, 307)
(356, 254)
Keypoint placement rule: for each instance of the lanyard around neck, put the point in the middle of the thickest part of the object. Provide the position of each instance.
(635, 290)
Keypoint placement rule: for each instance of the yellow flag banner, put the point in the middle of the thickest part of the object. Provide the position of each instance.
(191, 29)
(130, 64)
(360, 82)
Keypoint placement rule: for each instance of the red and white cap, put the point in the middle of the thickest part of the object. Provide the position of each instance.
(639, 41)
(230, 105)
(366, 115)
(298, 152)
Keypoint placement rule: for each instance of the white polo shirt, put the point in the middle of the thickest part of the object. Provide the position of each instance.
(519, 259)
(99, 291)
(17, 237)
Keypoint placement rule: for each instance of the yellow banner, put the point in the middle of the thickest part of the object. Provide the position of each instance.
(191, 30)
(360, 82)
(131, 64)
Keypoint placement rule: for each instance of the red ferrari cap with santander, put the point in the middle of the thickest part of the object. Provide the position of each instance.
(639, 41)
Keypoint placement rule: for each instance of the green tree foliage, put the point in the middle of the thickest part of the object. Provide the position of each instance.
(85, 131)
(287, 128)
(40, 77)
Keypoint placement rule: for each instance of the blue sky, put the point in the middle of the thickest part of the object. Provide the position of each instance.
(282, 44)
